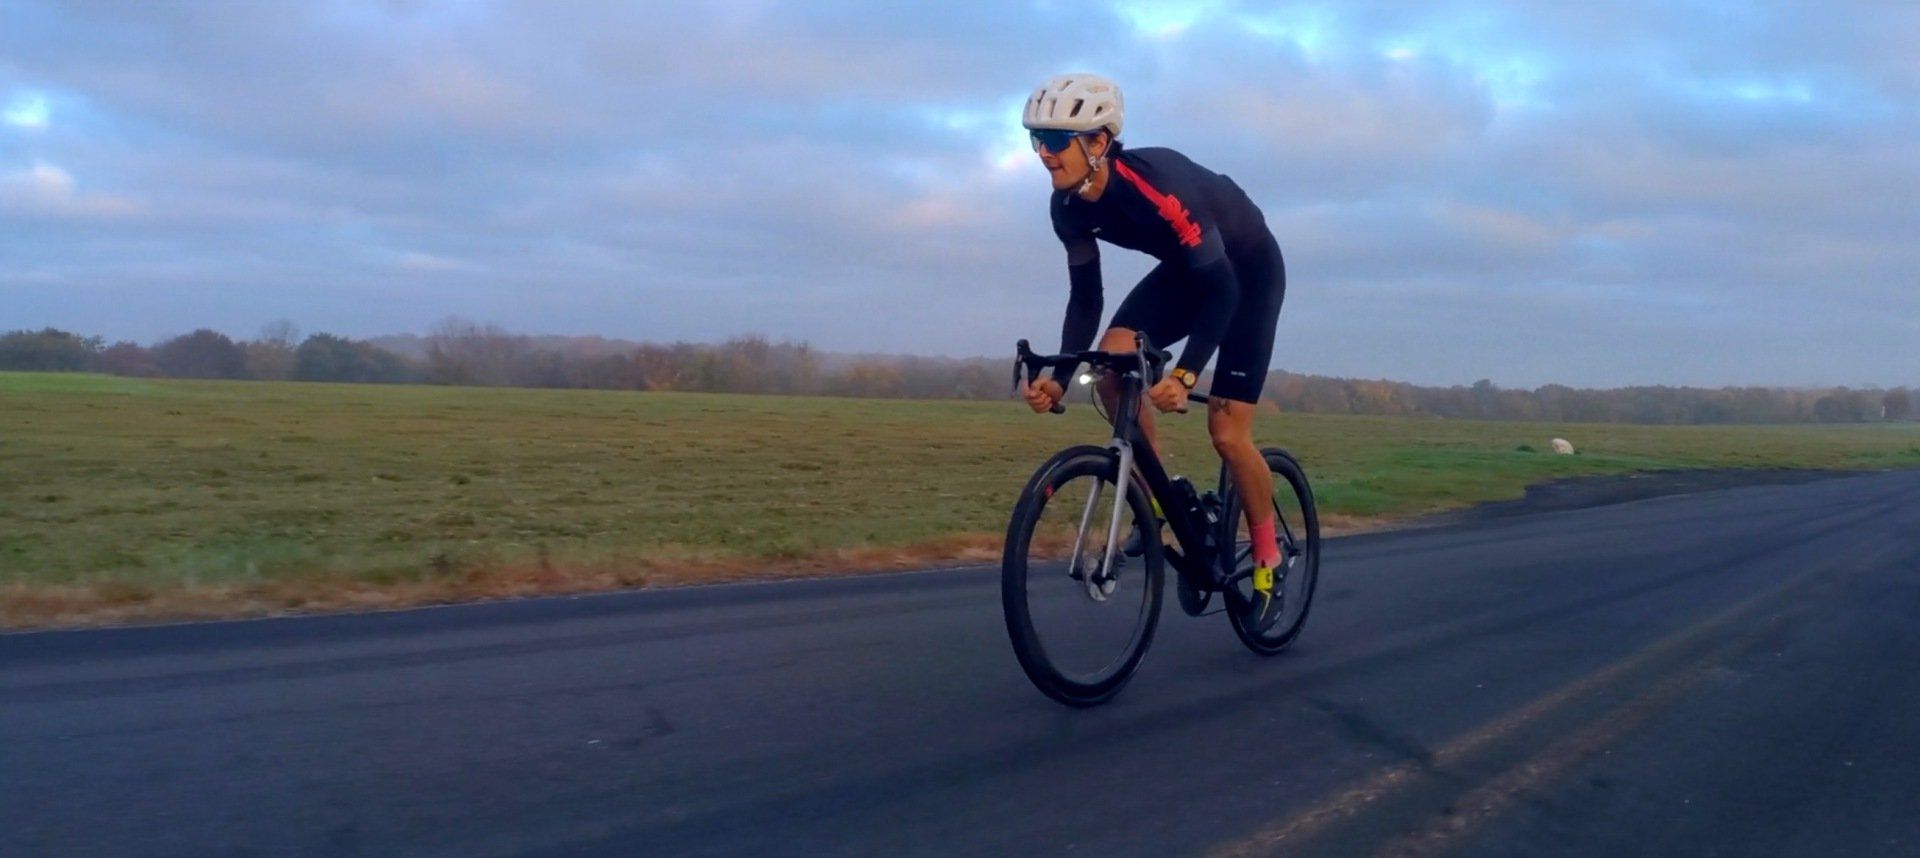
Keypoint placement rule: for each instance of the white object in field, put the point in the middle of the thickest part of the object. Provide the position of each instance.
(1563, 446)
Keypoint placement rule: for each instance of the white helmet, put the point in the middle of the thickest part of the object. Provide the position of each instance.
(1075, 102)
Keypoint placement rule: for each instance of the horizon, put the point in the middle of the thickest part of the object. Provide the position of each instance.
(1694, 194)
(383, 341)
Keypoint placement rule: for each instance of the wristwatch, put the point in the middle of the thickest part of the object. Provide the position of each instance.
(1186, 377)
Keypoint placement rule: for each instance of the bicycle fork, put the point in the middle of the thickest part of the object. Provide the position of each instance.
(1100, 584)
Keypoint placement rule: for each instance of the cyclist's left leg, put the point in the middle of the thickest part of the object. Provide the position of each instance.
(1245, 354)
(1230, 422)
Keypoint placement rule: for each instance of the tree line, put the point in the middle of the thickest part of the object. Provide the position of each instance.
(274, 356)
(1654, 404)
(465, 353)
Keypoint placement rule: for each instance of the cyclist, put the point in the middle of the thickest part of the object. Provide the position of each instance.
(1219, 283)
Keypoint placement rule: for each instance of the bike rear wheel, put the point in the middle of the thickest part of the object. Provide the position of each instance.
(1297, 529)
(1080, 632)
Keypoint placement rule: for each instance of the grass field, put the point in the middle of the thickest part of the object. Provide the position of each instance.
(125, 498)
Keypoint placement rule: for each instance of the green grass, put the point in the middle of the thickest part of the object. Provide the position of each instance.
(172, 485)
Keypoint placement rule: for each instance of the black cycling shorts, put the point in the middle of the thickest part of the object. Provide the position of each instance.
(1162, 307)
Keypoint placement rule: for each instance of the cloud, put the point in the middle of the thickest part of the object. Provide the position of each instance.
(413, 260)
(1544, 192)
(47, 190)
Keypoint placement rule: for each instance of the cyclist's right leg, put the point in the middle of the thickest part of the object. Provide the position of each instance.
(1154, 308)
(1240, 373)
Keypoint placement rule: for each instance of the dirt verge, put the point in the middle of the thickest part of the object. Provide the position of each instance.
(28, 608)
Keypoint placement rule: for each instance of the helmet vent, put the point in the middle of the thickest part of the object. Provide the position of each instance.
(1077, 102)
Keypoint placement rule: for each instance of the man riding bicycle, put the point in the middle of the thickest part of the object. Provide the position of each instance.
(1219, 283)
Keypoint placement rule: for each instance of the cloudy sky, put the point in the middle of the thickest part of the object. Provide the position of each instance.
(1594, 193)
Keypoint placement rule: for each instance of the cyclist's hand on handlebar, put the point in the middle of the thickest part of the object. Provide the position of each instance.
(1042, 394)
(1168, 394)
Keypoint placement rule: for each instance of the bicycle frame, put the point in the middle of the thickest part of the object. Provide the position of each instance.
(1136, 451)
(1197, 551)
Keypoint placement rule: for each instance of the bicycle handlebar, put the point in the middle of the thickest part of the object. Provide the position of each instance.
(1151, 359)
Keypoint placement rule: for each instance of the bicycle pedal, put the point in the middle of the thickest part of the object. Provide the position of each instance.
(1136, 545)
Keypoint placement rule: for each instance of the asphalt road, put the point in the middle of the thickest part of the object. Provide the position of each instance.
(1729, 673)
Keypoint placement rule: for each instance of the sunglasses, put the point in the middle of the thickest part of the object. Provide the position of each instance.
(1052, 140)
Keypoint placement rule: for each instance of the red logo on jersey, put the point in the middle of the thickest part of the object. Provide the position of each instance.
(1171, 209)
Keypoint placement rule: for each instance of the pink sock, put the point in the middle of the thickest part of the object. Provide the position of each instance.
(1266, 551)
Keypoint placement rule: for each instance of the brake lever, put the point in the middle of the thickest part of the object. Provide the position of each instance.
(1025, 358)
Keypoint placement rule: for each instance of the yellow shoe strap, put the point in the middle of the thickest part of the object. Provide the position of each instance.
(1263, 579)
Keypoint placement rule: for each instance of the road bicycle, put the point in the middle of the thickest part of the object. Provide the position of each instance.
(1081, 577)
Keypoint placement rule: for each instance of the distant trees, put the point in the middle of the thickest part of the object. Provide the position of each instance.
(125, 358)
(1554, 402)
(868, 378)
(1897, 405)
(462, 352)
(1848, 406)
(202, 354)
(270, 357)
(325, 357)
(652, 367)
(47, 350)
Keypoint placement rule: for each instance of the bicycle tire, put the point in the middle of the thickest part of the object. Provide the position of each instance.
(1273, 639)
(1072, 463)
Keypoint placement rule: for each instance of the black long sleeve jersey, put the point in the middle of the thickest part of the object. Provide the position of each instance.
(1161, 203)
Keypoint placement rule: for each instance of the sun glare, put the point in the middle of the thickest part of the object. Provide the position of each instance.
(1163, 20)
(28, 110)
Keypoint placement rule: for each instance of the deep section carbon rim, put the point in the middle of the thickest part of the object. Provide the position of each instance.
(1297, 529)
(1080, 627)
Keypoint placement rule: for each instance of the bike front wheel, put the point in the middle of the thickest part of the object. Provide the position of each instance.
(1297, 529)
(1078, 625)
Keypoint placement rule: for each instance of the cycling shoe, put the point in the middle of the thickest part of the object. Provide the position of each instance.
(1263, 607)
